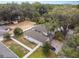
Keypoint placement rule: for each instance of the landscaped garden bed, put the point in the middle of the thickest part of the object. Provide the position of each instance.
(27, 42)
(39, 54)
(16, 48)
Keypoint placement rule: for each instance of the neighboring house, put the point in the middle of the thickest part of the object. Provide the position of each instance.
(5, 52)
(38, 33)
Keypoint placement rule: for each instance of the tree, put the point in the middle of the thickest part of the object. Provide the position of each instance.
(70, 49)
(5, 16)
(46, 48)
(77, 6)
(59, 35)
(18, 32)
(36, 5)
(50, 27)
(74, 19)
(70, 52)
(42, 10)
(41, 20)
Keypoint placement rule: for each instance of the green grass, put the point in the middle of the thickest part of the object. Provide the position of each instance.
(27, 42)
(39, 54)
(18, 50)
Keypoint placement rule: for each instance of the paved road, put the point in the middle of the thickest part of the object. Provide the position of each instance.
(5, 52)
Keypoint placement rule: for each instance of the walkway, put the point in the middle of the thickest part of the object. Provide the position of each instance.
(33, 50)
(21, 44)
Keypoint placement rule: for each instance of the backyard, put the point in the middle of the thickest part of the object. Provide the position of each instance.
(16, 48)
(39, 54)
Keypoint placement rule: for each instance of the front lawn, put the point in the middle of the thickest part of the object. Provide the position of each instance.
(39, 54)
(27, 42)
(16, 48)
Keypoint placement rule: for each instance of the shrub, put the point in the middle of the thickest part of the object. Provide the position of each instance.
(7, 36)
(18, 32)
(77, 30)
(70, 49)
(41, 20)
(59, 36)
(46, 48)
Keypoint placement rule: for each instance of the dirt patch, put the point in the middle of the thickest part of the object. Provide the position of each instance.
(23, 25)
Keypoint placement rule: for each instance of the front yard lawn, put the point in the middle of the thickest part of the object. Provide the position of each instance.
(27, 42)
(39, 54)
(16, 48)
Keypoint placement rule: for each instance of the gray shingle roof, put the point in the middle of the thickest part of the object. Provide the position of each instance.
(36, 33)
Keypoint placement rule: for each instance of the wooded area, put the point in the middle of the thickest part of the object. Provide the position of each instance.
(40, 13)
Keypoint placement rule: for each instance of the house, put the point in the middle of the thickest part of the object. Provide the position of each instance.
(5, 52)
(38, 33)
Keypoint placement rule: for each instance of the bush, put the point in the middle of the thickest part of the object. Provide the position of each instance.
(18, 32)
(7, 36)
(46, 48)
(59, 36)
(70, 49)
(77, 30)
(41, 20)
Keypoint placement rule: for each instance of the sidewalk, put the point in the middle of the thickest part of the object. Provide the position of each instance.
(28, 54)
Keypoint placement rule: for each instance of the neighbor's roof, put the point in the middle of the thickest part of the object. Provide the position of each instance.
(5, 53)
(35, 33)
